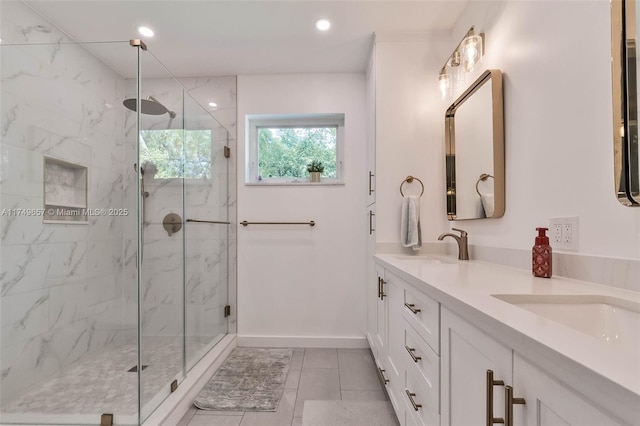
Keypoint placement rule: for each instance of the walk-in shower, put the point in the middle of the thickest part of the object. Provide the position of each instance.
(90, 328)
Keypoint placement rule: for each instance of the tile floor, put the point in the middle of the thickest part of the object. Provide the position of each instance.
(315, 374)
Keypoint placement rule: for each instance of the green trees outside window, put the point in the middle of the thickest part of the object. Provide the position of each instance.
(285, 152)
(165, 149)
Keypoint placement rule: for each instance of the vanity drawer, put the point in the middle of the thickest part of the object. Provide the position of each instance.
(423, 313)
(421, 361)
(423, 402)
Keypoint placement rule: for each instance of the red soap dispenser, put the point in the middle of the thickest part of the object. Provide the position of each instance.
(541, 262)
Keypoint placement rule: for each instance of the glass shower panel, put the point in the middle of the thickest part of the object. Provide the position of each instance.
(207, 231)
(65, 344)
(160, 179)
(92, 285)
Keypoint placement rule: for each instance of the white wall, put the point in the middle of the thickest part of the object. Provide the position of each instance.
(558, 123)
(409, 133)
(299, 281)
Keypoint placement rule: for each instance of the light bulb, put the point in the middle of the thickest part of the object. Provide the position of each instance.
(443, 83)
(472, 51)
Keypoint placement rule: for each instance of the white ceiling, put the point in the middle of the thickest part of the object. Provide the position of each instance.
(196, 38)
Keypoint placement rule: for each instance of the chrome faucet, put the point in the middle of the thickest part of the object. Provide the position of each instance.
(463, 249)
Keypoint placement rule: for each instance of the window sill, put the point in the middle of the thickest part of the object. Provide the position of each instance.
(327, 182)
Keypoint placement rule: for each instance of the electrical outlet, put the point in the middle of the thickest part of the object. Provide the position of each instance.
(556, 233)
(564, 233)
(567, 230)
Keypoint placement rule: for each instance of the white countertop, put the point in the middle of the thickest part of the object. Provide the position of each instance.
(466, 287)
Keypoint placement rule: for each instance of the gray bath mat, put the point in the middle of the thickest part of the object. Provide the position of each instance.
(250, 379)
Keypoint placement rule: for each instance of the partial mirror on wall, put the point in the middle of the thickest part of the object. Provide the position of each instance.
(624, 33)
(474, 128)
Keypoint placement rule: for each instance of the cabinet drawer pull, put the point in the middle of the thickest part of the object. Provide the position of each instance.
(381, 294)
(371, 191)
(411, 395)
(384, 379)
(371, 215)
(412, 307)
(379, 287)
(411, 351)
(509, 400)
(489, 412)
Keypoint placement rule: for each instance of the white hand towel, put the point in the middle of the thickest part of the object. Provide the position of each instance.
(410, 233)
(488, 204)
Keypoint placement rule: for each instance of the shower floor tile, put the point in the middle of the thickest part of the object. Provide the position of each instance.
(101, 382)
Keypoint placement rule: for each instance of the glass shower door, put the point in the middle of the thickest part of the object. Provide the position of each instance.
(183, 234)
(160, 194)
(207, 232)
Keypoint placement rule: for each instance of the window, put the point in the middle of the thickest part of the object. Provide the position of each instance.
(280, 147)
(165, 149)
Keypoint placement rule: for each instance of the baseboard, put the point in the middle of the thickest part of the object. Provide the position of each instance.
(178, 403)
(302, 342)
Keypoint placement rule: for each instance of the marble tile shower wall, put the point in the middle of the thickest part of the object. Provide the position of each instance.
(209, 249)
(61, 285)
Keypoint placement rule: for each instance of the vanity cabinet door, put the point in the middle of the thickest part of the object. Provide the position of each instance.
(381, 313)
(549, 402)
(377, 312)
(371, 128)
(393, 369)
(372, 291)
(393, 290)
(466, 355)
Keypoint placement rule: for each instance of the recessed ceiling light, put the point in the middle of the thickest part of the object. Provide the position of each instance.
(145, 31)
(213, 104)
(323, 24)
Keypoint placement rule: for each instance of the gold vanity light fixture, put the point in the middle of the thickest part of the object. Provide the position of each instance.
(467, 54)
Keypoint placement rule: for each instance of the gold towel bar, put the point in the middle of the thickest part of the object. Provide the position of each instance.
(310, 223)
(221, 222)
(409, 179)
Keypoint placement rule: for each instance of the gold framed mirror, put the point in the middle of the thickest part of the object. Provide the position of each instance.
(624, 67)
(474, 151)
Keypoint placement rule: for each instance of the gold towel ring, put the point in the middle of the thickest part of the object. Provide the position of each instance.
(482, 177)
(410, 179)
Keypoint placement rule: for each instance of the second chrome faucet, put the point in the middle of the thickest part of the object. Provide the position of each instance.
(463, 249)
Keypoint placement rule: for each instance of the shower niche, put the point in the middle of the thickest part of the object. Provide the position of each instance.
(65, 192)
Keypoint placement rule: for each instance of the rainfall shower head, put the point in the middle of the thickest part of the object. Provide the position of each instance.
(149, 106)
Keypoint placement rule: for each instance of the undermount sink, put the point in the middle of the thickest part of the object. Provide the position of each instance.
(424, 259)
(609, 319)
